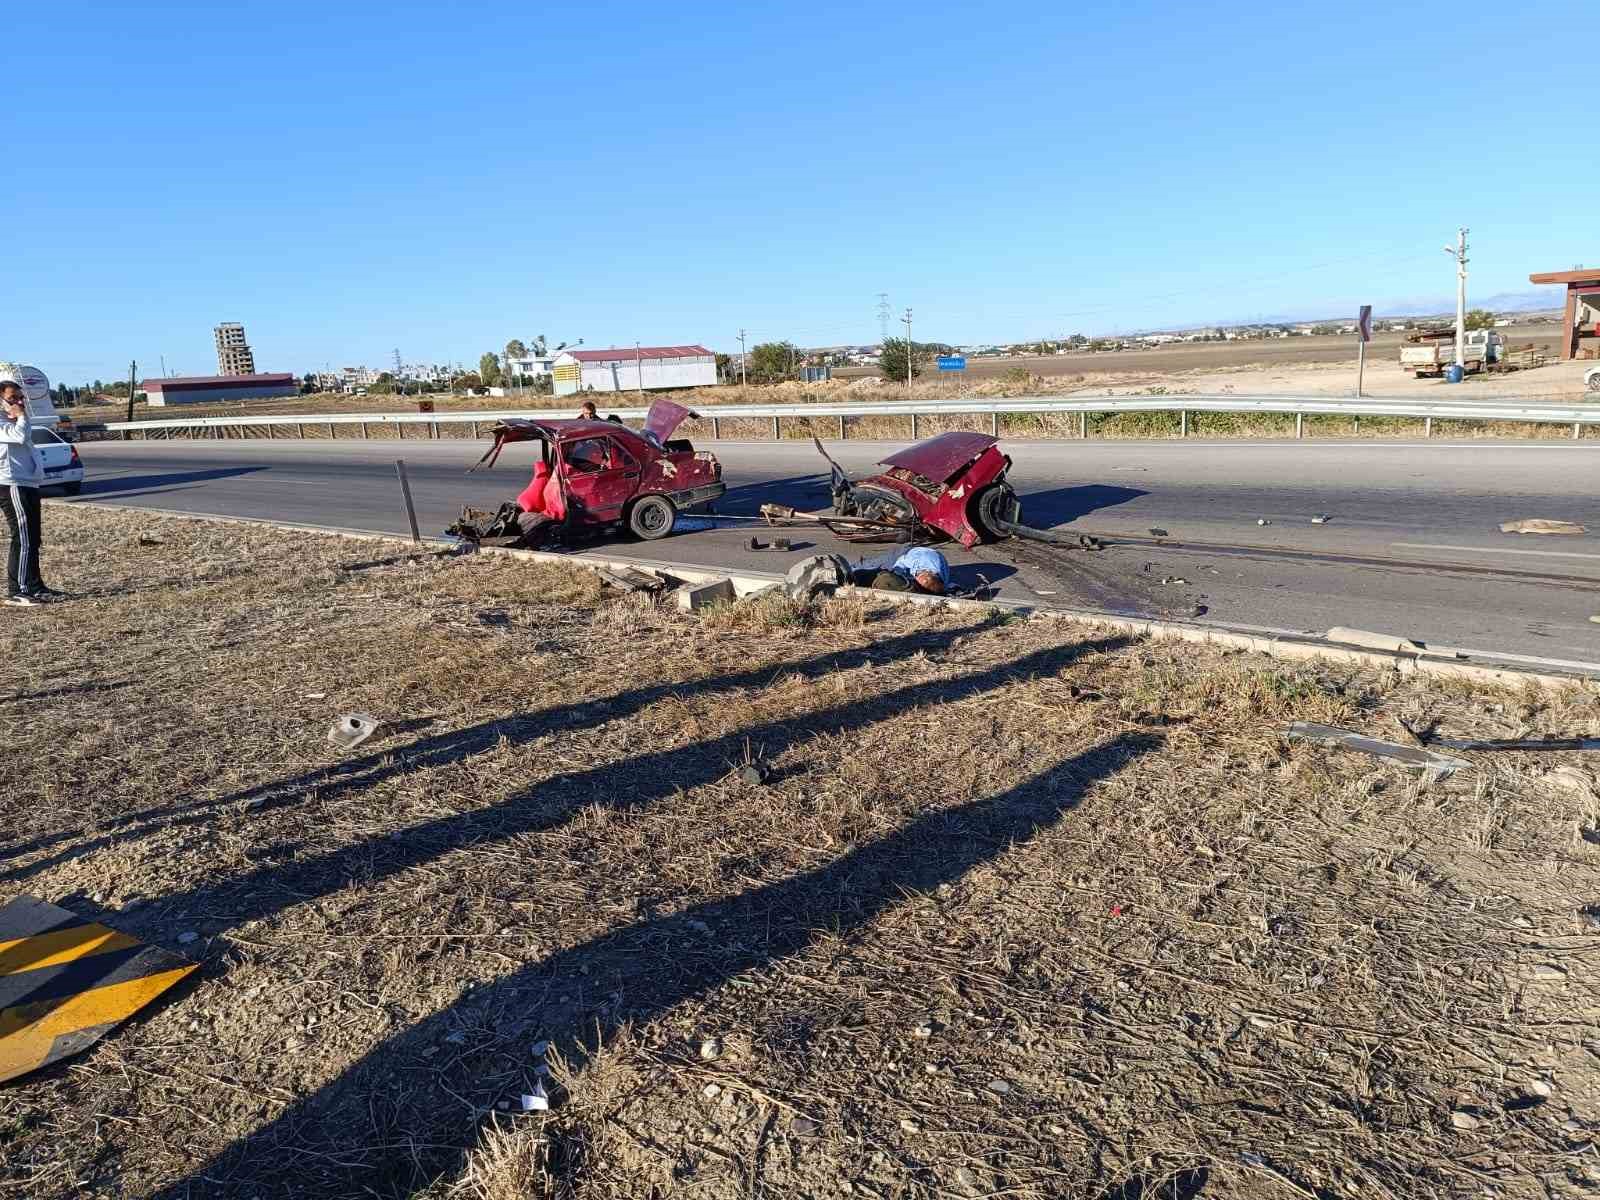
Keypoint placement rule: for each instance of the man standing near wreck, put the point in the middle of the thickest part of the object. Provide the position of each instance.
(21, 476)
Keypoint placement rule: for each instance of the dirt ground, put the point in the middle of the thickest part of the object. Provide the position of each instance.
(1021, 908)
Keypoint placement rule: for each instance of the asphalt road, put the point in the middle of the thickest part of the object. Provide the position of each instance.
(1431, 509)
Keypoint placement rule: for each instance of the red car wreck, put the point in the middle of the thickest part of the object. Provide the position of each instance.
(597, 475)
(950, 486)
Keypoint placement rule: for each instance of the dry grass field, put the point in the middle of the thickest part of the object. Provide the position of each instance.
(1019, 908)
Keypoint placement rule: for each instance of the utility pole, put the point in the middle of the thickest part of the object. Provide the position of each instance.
(883, 318)
(1459, 253)
(910, 356)
(741, 359)
(399, 385)
(133, 370)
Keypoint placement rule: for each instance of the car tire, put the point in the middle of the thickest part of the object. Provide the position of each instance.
(652, 517)
(986, 507)
(72, 489)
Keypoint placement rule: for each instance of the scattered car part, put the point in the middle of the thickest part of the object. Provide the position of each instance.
(1540, 525)
(952, 485)
(1393, 643)
(1554, 743)
(777, 543)
(1407, 756)
(1160, 533)
(631, 580)
(816, 575)
(66, 981)
(352, 729)
(1321, 519)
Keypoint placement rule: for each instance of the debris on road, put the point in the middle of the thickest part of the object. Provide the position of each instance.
(631, 580)
(537, 1100)
(65, 982)
(350, 730)
(816, 575)
(1540, 525)
(1262, 521)
(1160, 533)
(1408, 756)
(1321, 519)
(1391, 642)
(778, 543)
(1554, 743)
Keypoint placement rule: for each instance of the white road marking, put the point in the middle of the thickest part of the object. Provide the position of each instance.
(1492, 550)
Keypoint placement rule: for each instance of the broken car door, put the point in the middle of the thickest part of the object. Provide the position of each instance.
(601, 477)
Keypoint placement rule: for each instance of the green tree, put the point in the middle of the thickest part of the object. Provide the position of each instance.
(1480, 318)
(770, 362)
(724, 366)
(467, 381)
(896, 352)
(489, 369)
(515, 349)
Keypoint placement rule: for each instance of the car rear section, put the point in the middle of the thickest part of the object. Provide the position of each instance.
(62, 466)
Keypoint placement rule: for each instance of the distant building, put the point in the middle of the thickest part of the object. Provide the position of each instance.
(532, 366)
(624, 370)
(213, 389)
(233, 352)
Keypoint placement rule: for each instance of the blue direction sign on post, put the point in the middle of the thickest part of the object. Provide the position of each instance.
(952, 362)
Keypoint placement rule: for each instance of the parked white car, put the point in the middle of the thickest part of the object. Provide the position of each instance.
(1591, 379)
(62, 466)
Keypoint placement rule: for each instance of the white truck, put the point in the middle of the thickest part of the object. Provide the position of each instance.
(1431, 352)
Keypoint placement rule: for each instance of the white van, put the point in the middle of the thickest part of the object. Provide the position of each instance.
(36, 386)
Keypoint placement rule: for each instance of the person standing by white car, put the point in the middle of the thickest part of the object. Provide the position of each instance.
(21, 475)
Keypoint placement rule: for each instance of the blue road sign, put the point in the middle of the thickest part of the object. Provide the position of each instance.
(952, 362)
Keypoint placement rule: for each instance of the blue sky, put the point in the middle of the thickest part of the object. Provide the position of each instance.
(349, 178)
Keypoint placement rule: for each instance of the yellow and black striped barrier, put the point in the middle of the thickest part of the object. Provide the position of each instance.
(65, 981)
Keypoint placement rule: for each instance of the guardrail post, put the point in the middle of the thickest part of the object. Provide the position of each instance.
(269, 431)
(716, 429)
(364, 432)
(1427, 426)
(433, 430)
(1183, 423)
(913, 427)
(776, 432)
(400, 430)
(474, 431)
(330, 431)
(1357, 423)
(1577, 431)
(994, 424)
(302, 427)
(841, 427)
(1083, 425)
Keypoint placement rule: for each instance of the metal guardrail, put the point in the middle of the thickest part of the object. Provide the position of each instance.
(1300, 407)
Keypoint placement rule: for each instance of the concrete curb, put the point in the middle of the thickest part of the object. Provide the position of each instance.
(745, 583)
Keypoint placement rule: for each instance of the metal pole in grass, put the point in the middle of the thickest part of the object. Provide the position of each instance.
(405, 490)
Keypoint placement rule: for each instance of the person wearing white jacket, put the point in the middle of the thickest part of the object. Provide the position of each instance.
(21, 476)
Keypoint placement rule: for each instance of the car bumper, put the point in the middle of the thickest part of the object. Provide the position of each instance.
(62, 476)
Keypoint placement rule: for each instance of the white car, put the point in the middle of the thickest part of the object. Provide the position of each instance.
(1591, 379)
(62, 466)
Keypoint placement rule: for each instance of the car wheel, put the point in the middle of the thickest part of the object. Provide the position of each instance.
(652, 517)
(988, 509)
(72, 489)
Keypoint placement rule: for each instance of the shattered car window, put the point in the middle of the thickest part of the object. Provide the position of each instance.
(589, 454)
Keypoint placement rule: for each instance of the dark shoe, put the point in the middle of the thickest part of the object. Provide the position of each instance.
(21, 600)
(46, 593)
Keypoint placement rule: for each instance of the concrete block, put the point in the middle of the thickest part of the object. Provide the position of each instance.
(695, 596)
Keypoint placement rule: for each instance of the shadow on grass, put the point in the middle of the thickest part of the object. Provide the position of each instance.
(385, 760)
(394, 1122)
